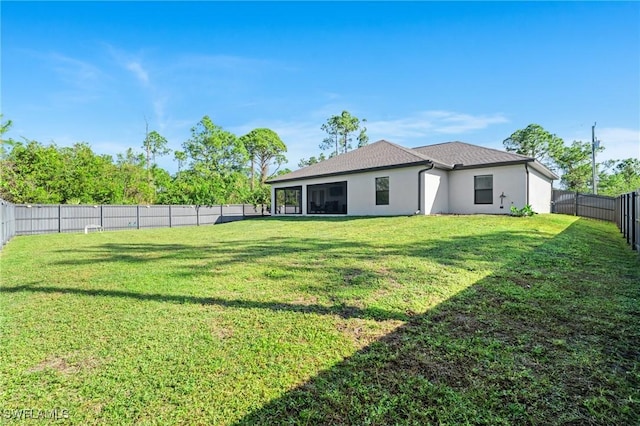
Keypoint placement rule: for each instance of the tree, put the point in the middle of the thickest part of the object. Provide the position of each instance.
(575, 164)
(264, 147)
(87, 177)
(213, 150)
(623, 177)
(30, 174)
(135, 188)
(534, 141)
(312, 160)
(4, 128)
(155, 145)
(340, 129)
(35, 173)
(181, 158)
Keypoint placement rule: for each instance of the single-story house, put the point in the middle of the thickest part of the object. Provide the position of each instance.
(384, 179)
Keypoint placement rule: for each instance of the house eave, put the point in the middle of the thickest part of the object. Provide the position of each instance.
(537, 166)
(350, 172)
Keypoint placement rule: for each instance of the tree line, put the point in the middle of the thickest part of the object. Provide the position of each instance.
(573, 162)
(214, 167)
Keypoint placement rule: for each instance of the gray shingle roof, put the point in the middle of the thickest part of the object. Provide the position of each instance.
(465, 154)
(384, 154)
(378, 155)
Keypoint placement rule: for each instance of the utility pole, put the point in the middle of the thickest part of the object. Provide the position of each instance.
(594, 146)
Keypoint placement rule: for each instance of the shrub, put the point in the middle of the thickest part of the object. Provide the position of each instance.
(523, 212)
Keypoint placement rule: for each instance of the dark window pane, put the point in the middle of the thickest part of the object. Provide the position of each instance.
(289, 200)
(382, 191)
(382, 184)
(382, 198)
(484, 196)
(327, 198)
(483, 189)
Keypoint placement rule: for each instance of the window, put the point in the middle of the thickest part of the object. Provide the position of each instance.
(327, 198)
(483, 189)
(382, 191)
(289, 200)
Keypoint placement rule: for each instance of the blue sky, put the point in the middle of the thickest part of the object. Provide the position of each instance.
(419, 72)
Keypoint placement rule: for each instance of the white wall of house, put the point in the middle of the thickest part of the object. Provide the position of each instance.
(539, 192)
(361, 191)
(443, 191)
(436, 192)
(403, 192)
(510, 180)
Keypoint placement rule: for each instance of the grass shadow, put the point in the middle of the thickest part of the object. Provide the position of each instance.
(344, 311)
(553, 337)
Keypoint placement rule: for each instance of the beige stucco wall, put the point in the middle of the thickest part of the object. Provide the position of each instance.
(361, 191)
(443, 191)
(539, 192)
(436, 192)
(508, 179)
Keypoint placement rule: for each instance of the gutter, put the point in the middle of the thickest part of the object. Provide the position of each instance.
(430, 166)
(526, 171)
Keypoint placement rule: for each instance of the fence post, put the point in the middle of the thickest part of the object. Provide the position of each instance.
(197, 215)
(169, 215)
(138, 216)
(101, 217)
(59, 218)
(628, 221)
(634, 217)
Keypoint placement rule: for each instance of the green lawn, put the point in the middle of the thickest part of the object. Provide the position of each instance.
(406, 320)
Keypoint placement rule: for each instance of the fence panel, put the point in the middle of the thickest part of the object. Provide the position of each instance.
(596, 207)
(120, 217)
(232, 213)
(7, 222)
(564, 202)
(74, 218)
(184, 216)
(585, 205)
(210, 215)
(37, 219)
(628, 218)
(637, 220)
(154, 216)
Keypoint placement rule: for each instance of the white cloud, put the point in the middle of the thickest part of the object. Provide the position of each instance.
(618, 142)
(74, 70)
(230, 62)
(137, 69)
(426, 123)
(82, 81)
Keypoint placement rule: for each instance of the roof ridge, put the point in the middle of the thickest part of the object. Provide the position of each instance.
(498, 150)
(407, 150)
(439, 143)
(478, 146)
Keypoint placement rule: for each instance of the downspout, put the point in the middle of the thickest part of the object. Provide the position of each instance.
(526, 171)
(430, 164)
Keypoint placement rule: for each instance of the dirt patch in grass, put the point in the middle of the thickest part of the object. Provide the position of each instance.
(71, 363)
